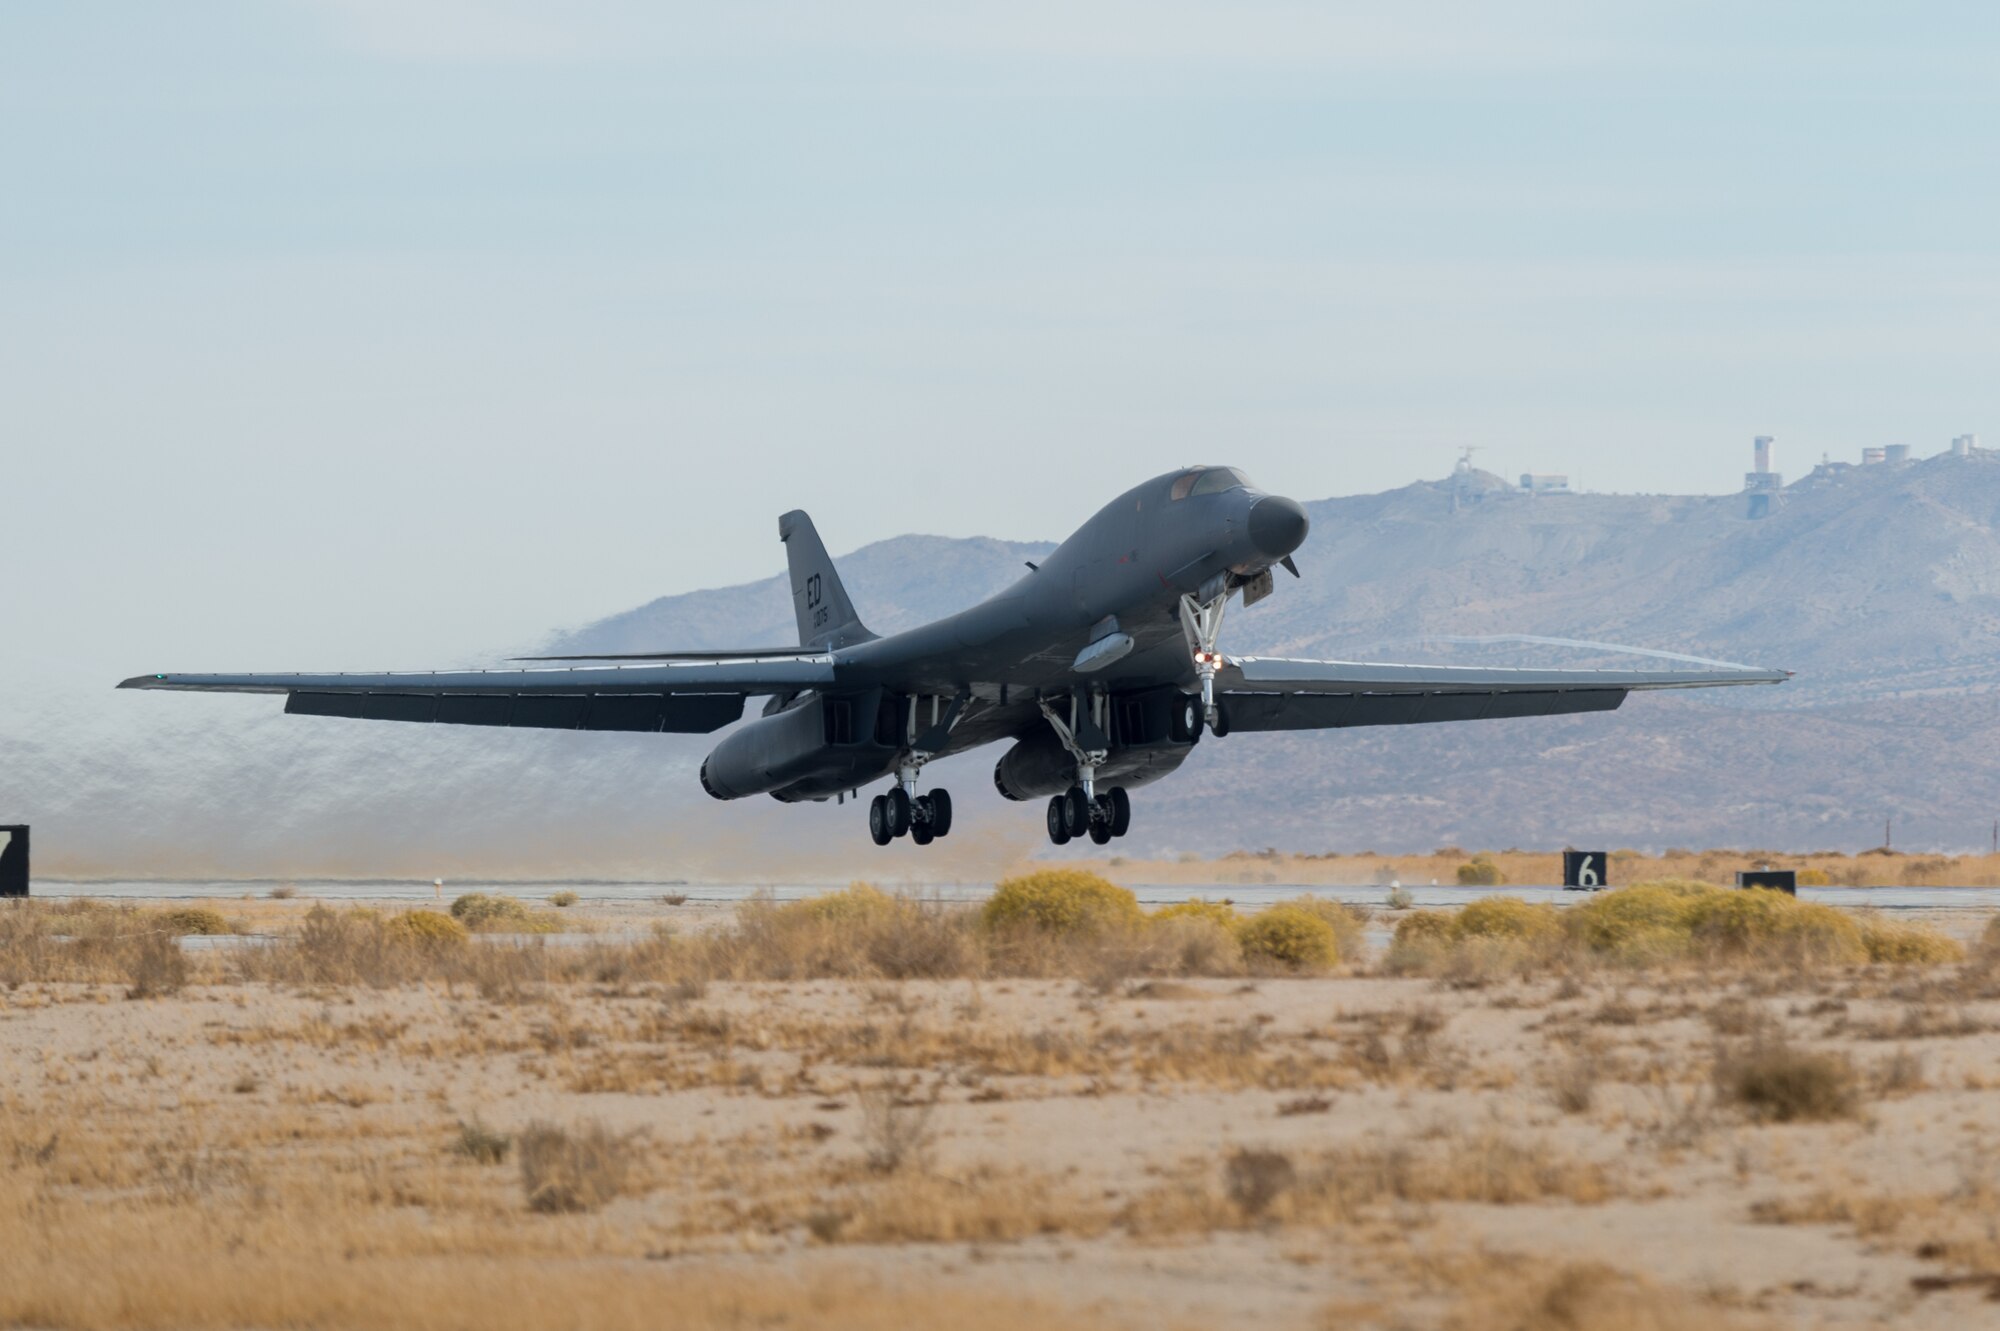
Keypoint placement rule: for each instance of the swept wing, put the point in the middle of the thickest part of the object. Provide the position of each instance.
(691, 696)
(1281, 693)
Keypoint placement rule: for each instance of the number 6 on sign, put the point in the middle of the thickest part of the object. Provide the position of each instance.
(1586, 870)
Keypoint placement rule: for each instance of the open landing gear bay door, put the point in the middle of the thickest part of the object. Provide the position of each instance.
(1277, 693)
(687, 696)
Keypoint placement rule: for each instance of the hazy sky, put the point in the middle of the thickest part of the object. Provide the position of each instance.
(380, 332)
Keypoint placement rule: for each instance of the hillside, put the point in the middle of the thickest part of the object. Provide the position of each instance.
(1882, 590)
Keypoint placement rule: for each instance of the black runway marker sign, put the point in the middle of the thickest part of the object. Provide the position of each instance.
(1586, 870)
(14, 860)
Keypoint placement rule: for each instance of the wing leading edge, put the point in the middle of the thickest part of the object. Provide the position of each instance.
(687, 697)
(1276, 693)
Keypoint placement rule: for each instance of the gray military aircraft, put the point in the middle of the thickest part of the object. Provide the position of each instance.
(1100, 665)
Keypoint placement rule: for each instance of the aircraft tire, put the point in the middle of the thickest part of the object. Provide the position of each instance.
(899, 811)
(1059, 819)
(1121, 811)
(1076, 811)
(1221, 726)
(921, 833)
(878, 821)
(1187, 719)
(1101, 833)
(940, 812)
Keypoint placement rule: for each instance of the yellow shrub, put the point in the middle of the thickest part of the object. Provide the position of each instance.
(477, 910)
(1480, 871)
(1290, 935)
(192, 920)
(427, 930)
(562, 900)
(1989, 940)
(1506, 917)
(1908, 944)
(1644, 922)
(855, 902)
(1422, 938)
(1814, 878)
(1349, 923)
(1215, 912)
(1061, 901)
(1753, 920)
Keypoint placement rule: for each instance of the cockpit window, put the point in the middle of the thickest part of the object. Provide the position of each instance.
(1183, 485)
(1217, 479)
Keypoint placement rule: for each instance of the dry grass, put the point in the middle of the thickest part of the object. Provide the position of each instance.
(1780, 1083)
(573, 1169)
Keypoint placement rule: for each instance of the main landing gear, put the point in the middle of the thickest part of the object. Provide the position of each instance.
(1101, 817)
(923, 819)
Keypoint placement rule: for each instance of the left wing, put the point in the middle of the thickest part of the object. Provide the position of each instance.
(1277, 693)
(685, 696)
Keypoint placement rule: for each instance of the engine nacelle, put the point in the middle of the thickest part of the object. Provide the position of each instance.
(812, 749)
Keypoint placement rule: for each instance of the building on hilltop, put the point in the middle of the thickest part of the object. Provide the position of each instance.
(1766, 488)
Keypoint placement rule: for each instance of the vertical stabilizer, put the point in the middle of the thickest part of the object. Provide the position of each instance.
(826, 616)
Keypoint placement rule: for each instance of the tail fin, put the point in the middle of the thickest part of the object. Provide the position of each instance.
(826, 616)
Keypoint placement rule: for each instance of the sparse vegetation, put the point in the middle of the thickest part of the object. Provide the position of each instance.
(481, 912)
(1781, 1083)
(196, 920)
(572, 1169)
(1480, 871)
(562, 900)
(481, 1145)
(847, 1071)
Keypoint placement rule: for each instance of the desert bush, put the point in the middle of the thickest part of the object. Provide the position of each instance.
(1291, 936)
(197, 920)
(1815, 877)
(157, 966)
(480, 1144)
(562, 900)
(1506, 917)
(1989, 941)
(572, 1169)
(1907, 944)
(896, 1133)
(1480, 871)
(857, 931)
(425, 930)
(1754, 921)
(1647, 922)
(1256, 1178)
(1063, 902)
(1349, 923)
(1191, 945)
(1421, 941)
(1781, 1083)
(1399, 898)
(1220, 913)
(480, 911)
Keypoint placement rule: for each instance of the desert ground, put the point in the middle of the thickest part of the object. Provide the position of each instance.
(867, 1110)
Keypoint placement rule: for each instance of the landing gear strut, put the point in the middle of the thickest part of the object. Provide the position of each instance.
(1201, 621)
(1082, 810)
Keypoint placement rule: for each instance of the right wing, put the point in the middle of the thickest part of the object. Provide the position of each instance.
(684, 696)
(1277, 693)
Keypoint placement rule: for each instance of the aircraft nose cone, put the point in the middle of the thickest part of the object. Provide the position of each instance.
(1277, 526)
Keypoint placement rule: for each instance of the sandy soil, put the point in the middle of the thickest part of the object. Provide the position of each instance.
(1355, 1150)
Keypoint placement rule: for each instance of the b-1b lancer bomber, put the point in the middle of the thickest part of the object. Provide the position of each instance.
(1100, 667)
